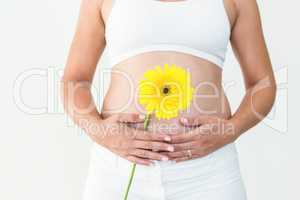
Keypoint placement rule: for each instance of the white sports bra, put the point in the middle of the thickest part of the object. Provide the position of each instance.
(197, 27)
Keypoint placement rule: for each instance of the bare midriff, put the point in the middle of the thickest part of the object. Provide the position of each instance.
(206, 78)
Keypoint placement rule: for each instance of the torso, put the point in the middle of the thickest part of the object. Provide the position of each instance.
(206, 77)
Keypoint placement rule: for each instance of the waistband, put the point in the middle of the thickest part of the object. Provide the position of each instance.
(106, 158)
(210, 172)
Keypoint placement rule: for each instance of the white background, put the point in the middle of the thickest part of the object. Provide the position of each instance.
(43, 156)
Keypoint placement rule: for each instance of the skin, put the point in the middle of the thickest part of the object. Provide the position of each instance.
(111, 130)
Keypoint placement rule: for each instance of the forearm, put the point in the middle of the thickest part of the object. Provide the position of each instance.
(255, 105)
(79, 105)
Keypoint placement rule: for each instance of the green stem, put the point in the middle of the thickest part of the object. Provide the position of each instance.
(130, 180)
(147, 121)
(146, 124)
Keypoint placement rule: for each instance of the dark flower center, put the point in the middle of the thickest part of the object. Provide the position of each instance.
(166, 90)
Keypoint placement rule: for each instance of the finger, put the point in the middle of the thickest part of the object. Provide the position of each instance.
(147, 136)
(180, 154)
(130, 118)
(196, 121)
(195, 154)
(184, 137)
(186, 146)
(154, 146)
(148, 154)
(140, 161)
(181, 159)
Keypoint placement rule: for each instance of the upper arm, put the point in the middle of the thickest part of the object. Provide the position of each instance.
(88, 43)
(249, 45)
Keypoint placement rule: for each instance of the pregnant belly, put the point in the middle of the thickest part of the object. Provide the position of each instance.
(208, 98)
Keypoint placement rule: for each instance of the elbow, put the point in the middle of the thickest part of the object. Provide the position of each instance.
(273, 91)
(263, 96)
(63, 91)
(270, 96)
(72, 88)
(66, 85)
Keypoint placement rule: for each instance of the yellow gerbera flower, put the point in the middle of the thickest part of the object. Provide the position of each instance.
(166, 91)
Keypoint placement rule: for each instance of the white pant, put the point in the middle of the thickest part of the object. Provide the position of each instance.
(213, 177)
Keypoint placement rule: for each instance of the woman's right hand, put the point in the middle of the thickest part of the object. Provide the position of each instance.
(137, 146)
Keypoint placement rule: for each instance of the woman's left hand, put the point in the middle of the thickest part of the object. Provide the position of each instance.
(211, 134)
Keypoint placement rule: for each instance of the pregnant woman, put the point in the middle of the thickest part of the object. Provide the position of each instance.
(191, 156)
